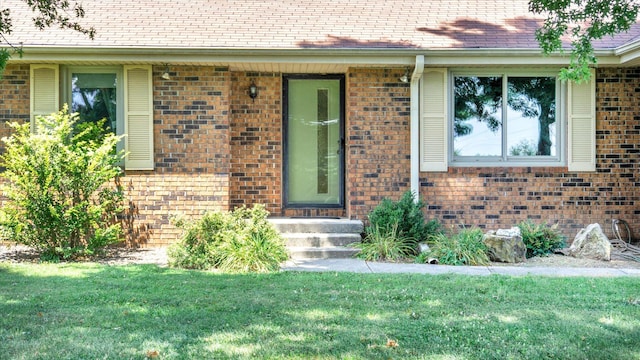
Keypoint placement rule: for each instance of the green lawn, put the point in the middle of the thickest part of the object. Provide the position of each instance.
(89, 311)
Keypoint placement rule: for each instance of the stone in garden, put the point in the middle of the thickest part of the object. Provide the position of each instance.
(506, 245)
(424, 248)
(591, 243)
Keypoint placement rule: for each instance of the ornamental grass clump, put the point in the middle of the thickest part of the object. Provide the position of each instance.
(540, 239)
(240, 241)
(62, 194)
(462, 248)
(380, 245)
(405, 220)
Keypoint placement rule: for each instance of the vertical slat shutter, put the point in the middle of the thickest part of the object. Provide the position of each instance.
(433, 135)
(582, 125)
(138, 121)
(45, 91)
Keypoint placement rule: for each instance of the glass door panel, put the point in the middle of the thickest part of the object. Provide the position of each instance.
(314, 142)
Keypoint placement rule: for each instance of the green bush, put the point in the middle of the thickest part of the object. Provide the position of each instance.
(540, 239)
(462, 248)
(238, 241)
(61, 189)
(383, 245)
(407, 216)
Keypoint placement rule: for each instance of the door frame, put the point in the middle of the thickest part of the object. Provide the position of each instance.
(285, 142)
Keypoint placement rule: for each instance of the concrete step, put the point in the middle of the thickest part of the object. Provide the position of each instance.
(327, 252)
(320, 239)
(317, 225)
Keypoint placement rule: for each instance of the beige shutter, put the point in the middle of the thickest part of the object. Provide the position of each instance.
(582, 125)
(434, 135)
(45, 91)
(138, 117)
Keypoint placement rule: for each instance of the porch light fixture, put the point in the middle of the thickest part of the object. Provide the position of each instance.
(405, 77)
(253, 91)
(165, 74)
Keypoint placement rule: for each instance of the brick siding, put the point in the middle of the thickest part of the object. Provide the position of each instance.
(216, 148)
(256, 141)
(377, 138)
(191, 149)
(14, 100)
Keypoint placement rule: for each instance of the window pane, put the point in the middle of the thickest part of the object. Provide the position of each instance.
(478, 116)
(531, 116)
(93, 96)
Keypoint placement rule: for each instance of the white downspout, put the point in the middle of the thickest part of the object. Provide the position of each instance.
(415, 125)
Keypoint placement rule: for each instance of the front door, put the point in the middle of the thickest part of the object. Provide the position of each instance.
(314, 141)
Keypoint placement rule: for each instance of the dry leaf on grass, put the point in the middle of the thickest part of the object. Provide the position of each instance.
(392, 343)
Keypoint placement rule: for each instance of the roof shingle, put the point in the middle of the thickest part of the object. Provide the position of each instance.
(292, 24)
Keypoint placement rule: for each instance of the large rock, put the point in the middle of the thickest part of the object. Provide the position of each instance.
(506, 245)
(591, 243)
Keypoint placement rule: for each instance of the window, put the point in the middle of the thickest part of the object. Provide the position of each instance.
(94, 96)
(94, 93)
(465, 120)
(505, 118)
(120, 94)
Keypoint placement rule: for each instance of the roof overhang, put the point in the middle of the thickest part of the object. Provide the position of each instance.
(629, 53)
(305, 60)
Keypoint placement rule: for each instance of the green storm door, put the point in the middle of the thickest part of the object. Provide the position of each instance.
(314, 154)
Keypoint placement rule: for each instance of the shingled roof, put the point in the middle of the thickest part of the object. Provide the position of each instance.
(295, 24)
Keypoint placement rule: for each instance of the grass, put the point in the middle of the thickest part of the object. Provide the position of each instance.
(89, 311)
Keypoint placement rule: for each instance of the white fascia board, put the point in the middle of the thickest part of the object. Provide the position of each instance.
(628, 47)
(365, 57)
(202, 56)
(629, 53)
(506, 57)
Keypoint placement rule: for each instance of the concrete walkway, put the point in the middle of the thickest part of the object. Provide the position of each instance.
(361, 266)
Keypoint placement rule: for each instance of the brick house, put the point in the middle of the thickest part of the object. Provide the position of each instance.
(353, 102)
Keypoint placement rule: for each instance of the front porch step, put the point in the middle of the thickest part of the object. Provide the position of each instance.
(319, 238)
(317, 225)
(334, 252)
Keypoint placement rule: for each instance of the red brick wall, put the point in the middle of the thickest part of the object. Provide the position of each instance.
(377, 138)
(14, 98)
(256, 141)
(500, 197)
(192, 152)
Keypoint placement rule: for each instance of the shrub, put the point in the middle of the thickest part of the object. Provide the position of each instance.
(407, 217)
(540, 239)
(462, 248)
(383, 245)
(238, 241)
(61, 192)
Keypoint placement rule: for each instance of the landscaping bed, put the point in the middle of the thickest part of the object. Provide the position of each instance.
(158, 256)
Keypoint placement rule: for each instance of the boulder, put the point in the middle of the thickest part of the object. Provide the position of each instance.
(506, 245)
(591, 243)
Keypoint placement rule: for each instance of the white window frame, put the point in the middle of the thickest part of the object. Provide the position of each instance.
(65, 90)
(512, 161)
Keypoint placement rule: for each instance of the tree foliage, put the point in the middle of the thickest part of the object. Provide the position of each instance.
(583, 21)
(64, 14)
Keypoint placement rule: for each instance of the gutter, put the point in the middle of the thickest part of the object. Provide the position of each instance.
(415, 126)
(629, 52)
(351, 56)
